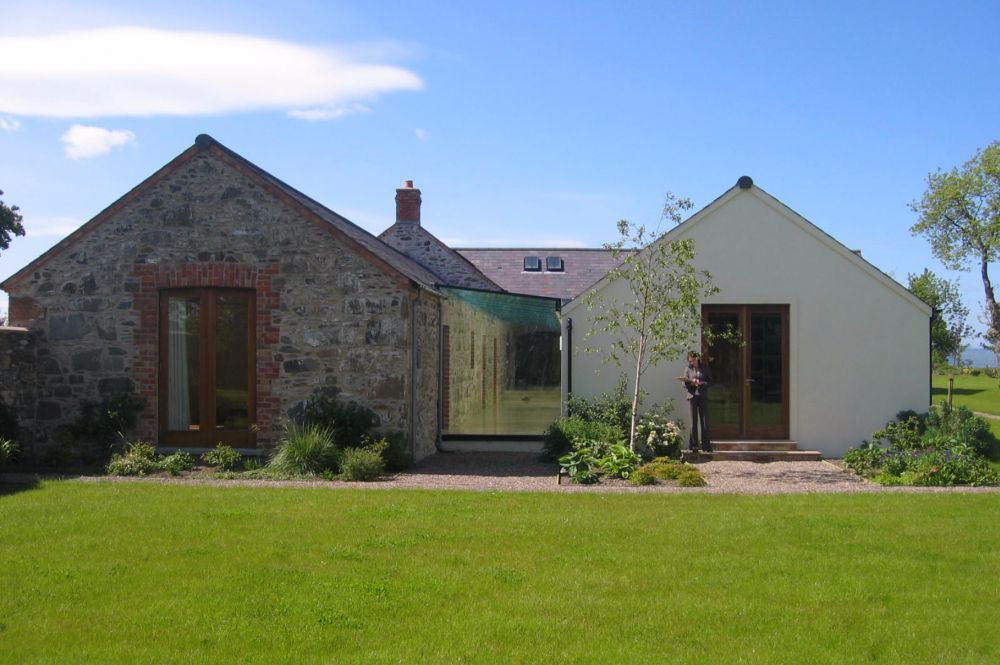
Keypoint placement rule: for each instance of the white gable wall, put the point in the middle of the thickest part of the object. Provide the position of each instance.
(858, 343)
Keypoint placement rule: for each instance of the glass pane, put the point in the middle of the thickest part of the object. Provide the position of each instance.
(512, 386)
(232, 353)
(724, 362)
(183, 363)
(766, 369)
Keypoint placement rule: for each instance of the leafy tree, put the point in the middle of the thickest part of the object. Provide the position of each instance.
(960, 217)
(10, 223)
(949, 327)
(661, 316)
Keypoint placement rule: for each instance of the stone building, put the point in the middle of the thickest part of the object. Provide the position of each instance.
(225, 298)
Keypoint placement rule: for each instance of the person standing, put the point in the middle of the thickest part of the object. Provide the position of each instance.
(697, 377)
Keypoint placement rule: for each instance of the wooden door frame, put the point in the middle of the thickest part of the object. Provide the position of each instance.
(207, 435)
(746, 430)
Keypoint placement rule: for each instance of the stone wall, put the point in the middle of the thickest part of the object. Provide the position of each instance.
(415, 241)
(18, 378)
(325, 314)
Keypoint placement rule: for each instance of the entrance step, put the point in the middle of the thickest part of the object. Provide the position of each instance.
(755, 451)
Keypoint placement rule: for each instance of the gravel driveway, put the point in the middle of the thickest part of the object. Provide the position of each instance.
(519, 472)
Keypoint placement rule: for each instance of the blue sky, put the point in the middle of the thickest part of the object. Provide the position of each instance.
(523, 123)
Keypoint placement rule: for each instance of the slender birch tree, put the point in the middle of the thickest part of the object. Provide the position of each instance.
(659, 318)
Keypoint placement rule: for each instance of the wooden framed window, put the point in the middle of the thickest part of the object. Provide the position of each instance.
(207, 387)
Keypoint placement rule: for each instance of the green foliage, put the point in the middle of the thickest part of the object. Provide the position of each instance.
(665, 468)
(612, 408)
(96, 430)
(304, 450)
(223, 457)
(178, 462)
(659, 436)
(579, 466)
(944, 447)
(364, 464)
(619, 462)
(348, 423)
(691, 477)
(138, 459)
(252, 464)
(949, 326)
(659, 318)
(9, 450)
(10, 223)
(397, 455)
(574, 432)
(960, 217)
(640, 477)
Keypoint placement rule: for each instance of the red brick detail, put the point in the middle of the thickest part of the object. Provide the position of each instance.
(154, 277)
(408, 204)
(24, 310)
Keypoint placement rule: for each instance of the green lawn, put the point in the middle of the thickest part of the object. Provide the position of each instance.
(105, 573)
(979, 393)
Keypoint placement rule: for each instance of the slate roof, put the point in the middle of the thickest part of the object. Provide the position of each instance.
(581, 268)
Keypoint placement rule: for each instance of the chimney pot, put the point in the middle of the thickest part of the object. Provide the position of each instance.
(408, 204)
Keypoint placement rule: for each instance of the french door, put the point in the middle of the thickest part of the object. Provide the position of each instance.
(207, 369)
(749, 363)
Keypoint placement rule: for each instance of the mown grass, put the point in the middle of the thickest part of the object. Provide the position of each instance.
(123, 573)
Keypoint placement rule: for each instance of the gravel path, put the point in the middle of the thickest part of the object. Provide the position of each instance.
(518, 472)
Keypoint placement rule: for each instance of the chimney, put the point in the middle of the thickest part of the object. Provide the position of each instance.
(408, 204)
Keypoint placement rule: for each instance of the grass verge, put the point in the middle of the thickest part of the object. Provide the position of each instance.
(105, 572)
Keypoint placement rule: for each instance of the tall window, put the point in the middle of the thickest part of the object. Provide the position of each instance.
(207, 375)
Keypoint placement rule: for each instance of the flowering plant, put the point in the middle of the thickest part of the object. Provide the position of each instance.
(659, 435)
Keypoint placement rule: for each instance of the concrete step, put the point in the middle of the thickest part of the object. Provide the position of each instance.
(755, 445)
(491, 446)
(754, 456)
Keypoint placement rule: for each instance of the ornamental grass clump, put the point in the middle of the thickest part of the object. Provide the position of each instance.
(306, 450)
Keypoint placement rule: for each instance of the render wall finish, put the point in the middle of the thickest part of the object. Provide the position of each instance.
(858, 346)
(326, 316)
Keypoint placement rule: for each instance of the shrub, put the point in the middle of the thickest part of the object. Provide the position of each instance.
(304, 450)
(138, 459)
(178, 462)
(640, 477)
(992, 372)
(347, 422)
(397, 455)
(864, 461)
(659, 435)
(574, 432)
(663, 468)
(948, 426)
(223, 457)
(691, 477)
(8, 450)
(363, 464)
(975, 372)
(619, 462)
(613, 408)
(579, 466)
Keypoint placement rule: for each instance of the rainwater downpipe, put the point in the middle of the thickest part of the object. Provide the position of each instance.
(440, 366)
(569, 357)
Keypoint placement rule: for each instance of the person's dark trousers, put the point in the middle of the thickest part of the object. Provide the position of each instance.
(698, 406)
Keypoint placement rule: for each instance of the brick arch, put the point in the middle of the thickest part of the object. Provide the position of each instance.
(152, 278)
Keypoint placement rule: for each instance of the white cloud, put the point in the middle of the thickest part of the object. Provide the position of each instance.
(421, 134)
(82, 141)
(9, 124)
(51, 227)
(329, 113)
(133, 71)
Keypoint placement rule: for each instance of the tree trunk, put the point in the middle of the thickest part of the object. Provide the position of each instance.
(635, 395)
(991, 307)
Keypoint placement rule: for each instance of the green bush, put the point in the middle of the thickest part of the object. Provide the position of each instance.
(948, 426)
(304, 450)
(178, 462)
(691, 477)
(363, 464)
(659, 435)
(347, 422)
(575, 432)
(397, 454)
(613, 408)
(579, 466)
(619, 462)
(223, 457)
(640, 477)
(9, 450)
(663, 468)
(138, 459)
(865, 461)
